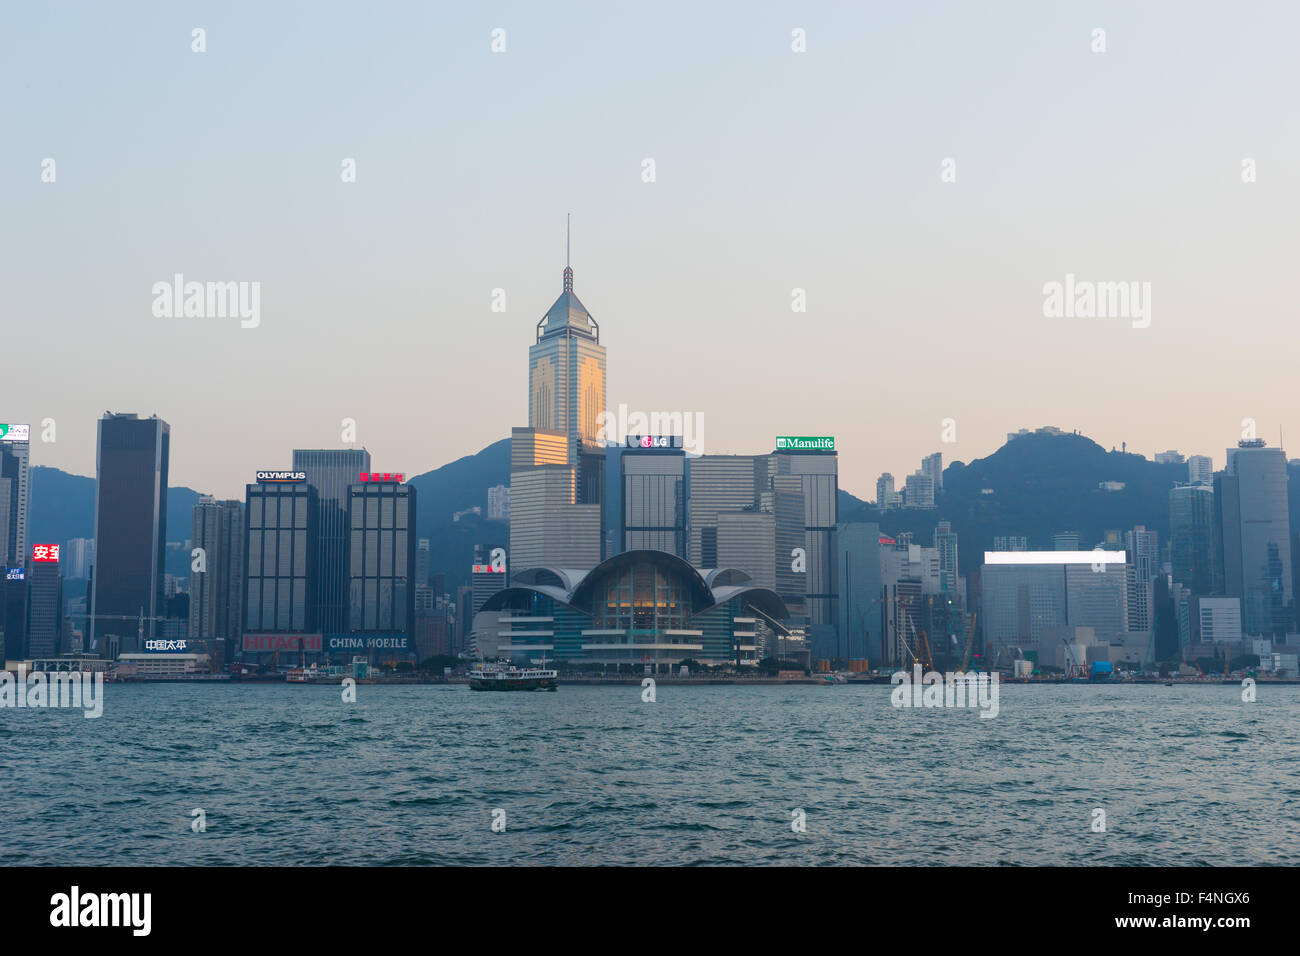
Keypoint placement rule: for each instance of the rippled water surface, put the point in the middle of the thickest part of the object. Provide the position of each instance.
(705, 775)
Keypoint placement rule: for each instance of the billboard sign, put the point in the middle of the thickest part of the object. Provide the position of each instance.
(14, 432)
(792, 443)
(164, 646)
(289, 643)
(654, 441)
(15, 574)
(383, 476)
(45, 552)
(367, 642)
(279, 477)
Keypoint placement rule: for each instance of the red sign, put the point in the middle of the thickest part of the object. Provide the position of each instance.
(382, 476)
(289, 643)
(487, 569)
(888, 541)
(45, 552)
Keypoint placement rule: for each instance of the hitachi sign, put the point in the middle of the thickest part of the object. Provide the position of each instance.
(265, 476)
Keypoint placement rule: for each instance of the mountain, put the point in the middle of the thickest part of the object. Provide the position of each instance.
(62, 507)
(1036, 485)
(454, 487)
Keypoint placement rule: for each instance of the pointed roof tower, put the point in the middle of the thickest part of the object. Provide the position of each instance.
(568, 313)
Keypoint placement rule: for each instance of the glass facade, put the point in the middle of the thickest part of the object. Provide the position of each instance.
(643, 596)
(279, 557)
(130, 528)
(1257, 538)
(381, 557)
(331, 471)
(654, 501)
(1191, 537)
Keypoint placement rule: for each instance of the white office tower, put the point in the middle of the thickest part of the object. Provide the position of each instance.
(1200, 470)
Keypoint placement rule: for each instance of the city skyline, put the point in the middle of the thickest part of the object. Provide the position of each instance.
(1106, 167)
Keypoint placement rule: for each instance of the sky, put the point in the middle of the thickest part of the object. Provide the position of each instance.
(774, 171)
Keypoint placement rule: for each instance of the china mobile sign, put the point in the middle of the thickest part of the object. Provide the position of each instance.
(367, 642)
(290, 643)
(45, 552)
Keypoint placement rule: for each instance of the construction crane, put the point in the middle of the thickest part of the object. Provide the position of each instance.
(923, 644)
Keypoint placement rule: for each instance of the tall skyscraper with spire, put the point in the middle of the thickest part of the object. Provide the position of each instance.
(566, 386)
(557, 468)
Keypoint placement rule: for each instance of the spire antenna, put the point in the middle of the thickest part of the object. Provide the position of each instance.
(568, 271)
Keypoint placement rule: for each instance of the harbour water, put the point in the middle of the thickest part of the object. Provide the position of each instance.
(1186, 775)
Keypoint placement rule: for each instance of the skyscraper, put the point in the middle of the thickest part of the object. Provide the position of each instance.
(566, 388)
(130, 529)
(330, 471)
(945, 542)
(15, 450)
(548, 527)
(1191, 537)
(1143, 563)
(381, 558)
(217, 591)
(1255, 529)
(719, 483)
(653, 500)
(1200, 470)
(886, 497)
(860, 615)
(280, 552)
(932, 466)
(45, 621)
(918, 491)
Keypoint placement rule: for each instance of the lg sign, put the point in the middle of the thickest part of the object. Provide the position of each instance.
(45, 552)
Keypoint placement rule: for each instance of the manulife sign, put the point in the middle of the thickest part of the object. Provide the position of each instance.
(791, 443)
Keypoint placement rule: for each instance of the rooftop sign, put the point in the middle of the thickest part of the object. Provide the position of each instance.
(789, 443)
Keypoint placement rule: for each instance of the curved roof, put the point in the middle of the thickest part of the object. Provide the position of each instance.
(708, 589)
(568, 577)
(717, 577)
(764, 599)
(701, 594)
(500, 599)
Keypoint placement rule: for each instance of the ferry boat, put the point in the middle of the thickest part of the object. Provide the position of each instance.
(505, 676)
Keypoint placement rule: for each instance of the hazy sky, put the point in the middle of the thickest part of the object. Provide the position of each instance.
(775, 170)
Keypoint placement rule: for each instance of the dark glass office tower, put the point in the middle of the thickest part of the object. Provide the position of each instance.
(381, 557)
(130, 529)
(1256, 533)
(217, 593)
(13, 497)
(331, 471)
(653, 500)
(1191, 537)
(45, 614)
(279, 558)
(13, 616)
